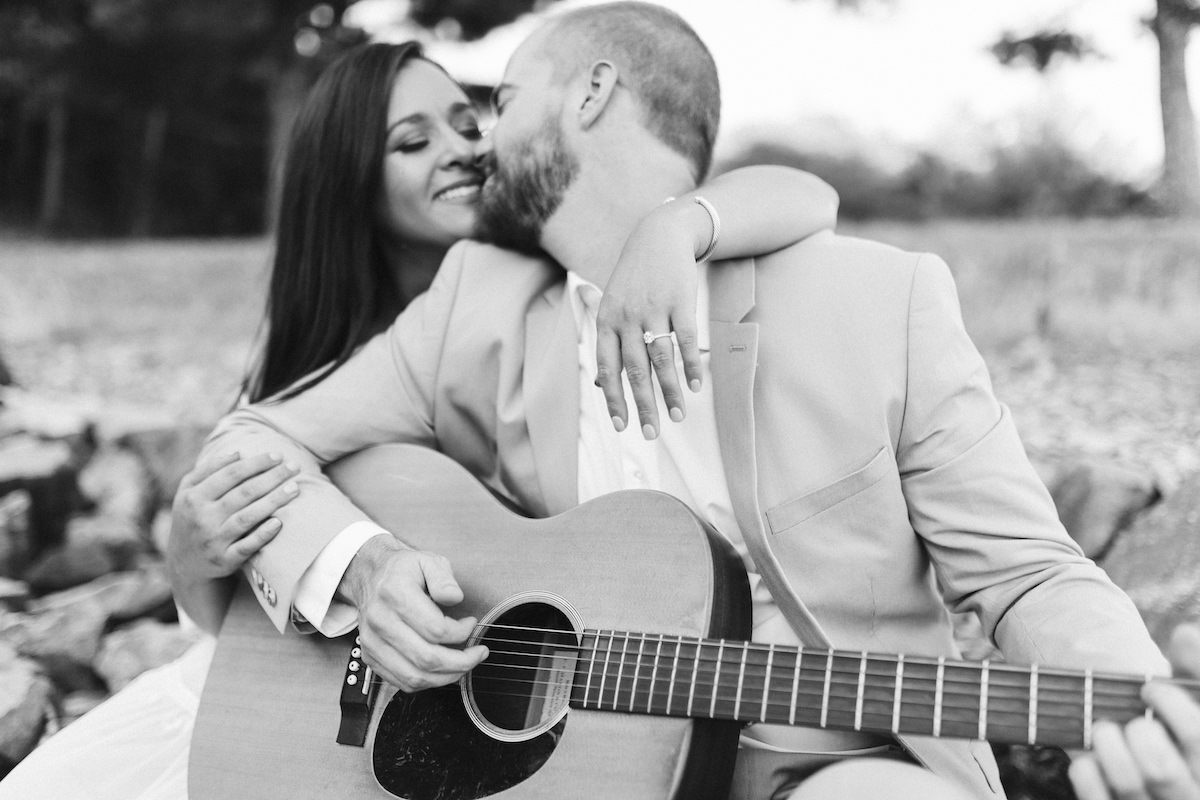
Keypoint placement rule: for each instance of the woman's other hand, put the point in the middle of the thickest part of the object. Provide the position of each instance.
(222, 514)
(652, 289)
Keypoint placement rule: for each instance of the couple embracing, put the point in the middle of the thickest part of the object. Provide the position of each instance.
(838, 427)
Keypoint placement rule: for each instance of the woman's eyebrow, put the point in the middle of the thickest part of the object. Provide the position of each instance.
(420, 116)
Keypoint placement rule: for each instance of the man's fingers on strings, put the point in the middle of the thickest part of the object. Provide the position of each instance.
(1116, 762)
(637, 370)
(608, 377)
(1087, 779)
(1164, 771)
(1181, 715)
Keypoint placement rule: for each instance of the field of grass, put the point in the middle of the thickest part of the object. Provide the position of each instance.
(1092, 329)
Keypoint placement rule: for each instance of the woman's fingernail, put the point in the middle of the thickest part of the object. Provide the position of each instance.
(694, 385)
(290, 487)
(272, 524)
(676, 414)
(619, 424)
(276, 457)
(649, 432)
(293, 466)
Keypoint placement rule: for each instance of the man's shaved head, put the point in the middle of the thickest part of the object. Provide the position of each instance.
(658, 57)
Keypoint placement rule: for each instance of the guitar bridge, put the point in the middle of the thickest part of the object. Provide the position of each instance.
(360, 686)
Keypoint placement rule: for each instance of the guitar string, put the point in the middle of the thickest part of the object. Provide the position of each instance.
(1046, 689)
(1132, 708)
(995, 668)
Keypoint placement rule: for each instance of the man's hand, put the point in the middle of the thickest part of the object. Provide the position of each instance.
(1158, 758)
(405, 636)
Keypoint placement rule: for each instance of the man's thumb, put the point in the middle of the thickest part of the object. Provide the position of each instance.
(439, 581)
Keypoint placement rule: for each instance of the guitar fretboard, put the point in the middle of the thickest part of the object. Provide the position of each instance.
(845, 690)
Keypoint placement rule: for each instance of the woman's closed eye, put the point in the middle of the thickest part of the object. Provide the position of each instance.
(412, 145)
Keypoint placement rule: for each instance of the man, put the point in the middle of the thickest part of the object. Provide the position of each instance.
(845, 437)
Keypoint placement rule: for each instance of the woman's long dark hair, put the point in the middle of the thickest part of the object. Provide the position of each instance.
(331, 288)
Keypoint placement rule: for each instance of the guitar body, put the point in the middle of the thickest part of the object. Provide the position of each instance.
(632, 560)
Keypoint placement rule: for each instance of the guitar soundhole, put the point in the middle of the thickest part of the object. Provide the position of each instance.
(500, 726)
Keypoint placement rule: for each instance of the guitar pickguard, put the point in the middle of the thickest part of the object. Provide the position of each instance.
(427, 748)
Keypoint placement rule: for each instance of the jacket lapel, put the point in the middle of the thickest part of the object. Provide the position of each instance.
(551, 389)
(733, 362)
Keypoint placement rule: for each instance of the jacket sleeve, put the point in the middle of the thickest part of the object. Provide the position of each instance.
(384, 393)
(987, 520)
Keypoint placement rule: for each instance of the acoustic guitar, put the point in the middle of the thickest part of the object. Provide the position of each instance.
(617, 666)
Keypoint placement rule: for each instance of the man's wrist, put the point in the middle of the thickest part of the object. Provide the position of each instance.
(373, 554)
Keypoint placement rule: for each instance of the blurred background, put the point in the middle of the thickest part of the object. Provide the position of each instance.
(1047, 149)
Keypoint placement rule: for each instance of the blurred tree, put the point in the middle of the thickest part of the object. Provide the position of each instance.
(1172, 24)
(126, 104)
(1040, 49)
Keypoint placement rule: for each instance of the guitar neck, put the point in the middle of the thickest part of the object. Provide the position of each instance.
(845, 690)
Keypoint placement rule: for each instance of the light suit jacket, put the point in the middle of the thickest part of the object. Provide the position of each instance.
(868, 461)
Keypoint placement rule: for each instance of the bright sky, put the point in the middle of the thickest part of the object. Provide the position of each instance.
(898, 78)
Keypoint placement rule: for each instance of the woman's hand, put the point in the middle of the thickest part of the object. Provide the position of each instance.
(653, 289)
(1149, 759)
(222, 514)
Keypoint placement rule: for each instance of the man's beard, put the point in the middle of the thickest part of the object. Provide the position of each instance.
(525, 190)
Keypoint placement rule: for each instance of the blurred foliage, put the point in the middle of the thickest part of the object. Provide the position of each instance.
(165, 109)
(1044, 177)
(1040, 49)
(474, 19)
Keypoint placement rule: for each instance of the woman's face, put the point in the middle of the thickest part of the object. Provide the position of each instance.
(430, 181)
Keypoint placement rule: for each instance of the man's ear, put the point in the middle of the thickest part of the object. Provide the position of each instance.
(602, 82)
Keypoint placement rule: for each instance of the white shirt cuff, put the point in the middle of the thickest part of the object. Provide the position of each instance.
(314, 599)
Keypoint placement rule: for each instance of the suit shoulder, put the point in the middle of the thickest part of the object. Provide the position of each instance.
(848, 250)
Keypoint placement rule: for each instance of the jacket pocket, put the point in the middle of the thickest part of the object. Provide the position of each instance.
(794, 512)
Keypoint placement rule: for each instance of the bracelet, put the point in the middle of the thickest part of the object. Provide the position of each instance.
(716, 228)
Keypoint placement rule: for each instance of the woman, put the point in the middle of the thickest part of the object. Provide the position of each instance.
(355, 243)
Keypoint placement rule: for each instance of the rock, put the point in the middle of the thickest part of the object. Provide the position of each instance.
(146, 644)
(122, 533)
(24, 700)
(76, 564)
(169, 453)
(1156, 561)
(47, 471)
(117, 481)
(1097, 500)
(64, 642)
(16, 539)
(121, 596)
(14, 594)
(46, 418)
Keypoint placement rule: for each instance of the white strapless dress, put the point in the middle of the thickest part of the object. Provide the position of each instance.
(133, 746)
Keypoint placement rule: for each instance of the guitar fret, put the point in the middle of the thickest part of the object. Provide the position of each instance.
(899, 690)
(712, 708)
(737, 703)
(762, 714)
(587, 687)
(637, 671)
(604, 671)
(620, 672)
(674, 671)
(695, 670)
(858, 700)
(825, 691)
(1149, 710)
(654, 676)
(983, 699)
(795, 685)
(1087, 709)
(1033, 703)
(937, 696)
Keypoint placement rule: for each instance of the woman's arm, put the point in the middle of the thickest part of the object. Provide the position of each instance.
(761, 209)
(221, 517)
